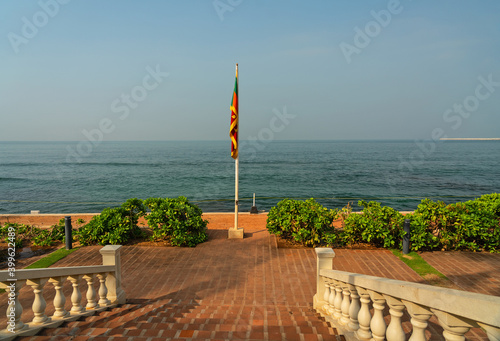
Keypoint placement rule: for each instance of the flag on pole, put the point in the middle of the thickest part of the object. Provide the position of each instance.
(233, 130)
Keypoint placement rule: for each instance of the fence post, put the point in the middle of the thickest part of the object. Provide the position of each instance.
(68, 233)
(111, 256)
(406, 237)
(324, 257)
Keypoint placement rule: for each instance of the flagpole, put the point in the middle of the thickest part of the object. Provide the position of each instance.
(236, 232)
(236, 189)
(237, 161)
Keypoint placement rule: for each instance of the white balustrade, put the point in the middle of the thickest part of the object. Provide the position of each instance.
(326, 296)
(454, 326)
(76, 296)
(419, 317)
(364, 316)
(337, 303)
(353, 309)
(14, 309)
(91, 294)
(331, 297)
(39, 304)
(348, 298)
(103, 290)
(377, 324)
(346, 303)
(110, 293)
(395, 330)
(59, 299)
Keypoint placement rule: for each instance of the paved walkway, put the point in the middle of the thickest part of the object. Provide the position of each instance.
(469, 271)
(221, 290)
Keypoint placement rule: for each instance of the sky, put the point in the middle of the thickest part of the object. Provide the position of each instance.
(75, 70)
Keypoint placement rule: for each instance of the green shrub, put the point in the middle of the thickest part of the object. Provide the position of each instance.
(114, 225)
(26, 233)
(427, 223)
(306, 222)
(376, 224)
(473, 225)
(176, 221)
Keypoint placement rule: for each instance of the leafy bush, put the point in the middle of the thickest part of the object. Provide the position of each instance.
(39, 237)
(114, 225)
(306, 222)
(473, 225)
(376, 224)
(176, 221)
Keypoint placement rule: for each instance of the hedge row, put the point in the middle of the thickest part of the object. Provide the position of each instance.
(473, 225)
(175, 221)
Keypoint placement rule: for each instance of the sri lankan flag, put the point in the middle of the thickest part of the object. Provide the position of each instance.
(233, 130)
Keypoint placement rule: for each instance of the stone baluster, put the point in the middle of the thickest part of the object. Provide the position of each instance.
(59, 299)
(377, 324)
(419, 317)
(364, 316)
(91, 294)
(331, 298)
(76, 296)
(395, 330)
(492, 332)
(14, 309)
(346, 303)
(39, 303)
(337, 303)
(454, 326)
(353, 309)
(326, 295)
(103, 291)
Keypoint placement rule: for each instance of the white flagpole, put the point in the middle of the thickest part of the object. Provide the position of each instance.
(236, 166)
(236, 232)
(236, 161)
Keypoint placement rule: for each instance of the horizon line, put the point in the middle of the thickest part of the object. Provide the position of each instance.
(277, 140)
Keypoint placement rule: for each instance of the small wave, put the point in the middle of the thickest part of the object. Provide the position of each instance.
(13, 179)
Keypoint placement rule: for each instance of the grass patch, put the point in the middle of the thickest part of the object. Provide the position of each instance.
(419, 265)
(47, 261)
(52, 258)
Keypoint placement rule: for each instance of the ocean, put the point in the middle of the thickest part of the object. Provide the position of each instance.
(72, 177)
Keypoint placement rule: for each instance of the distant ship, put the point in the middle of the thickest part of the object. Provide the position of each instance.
(470, 138)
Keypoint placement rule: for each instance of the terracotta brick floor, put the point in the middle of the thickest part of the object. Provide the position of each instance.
(220, 290)
(470, 271)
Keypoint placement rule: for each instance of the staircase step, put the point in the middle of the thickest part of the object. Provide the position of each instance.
(162, 321)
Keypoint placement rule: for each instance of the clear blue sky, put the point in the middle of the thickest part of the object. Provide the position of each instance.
(65, 67)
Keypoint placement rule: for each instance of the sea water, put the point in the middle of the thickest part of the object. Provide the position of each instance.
(57, 177)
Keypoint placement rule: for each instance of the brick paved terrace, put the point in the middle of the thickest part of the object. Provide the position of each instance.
(229, 289)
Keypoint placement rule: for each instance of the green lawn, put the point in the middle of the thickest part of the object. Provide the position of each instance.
(424, 269)
(50, 259)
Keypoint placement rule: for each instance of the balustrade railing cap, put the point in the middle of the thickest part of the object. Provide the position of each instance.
(324, 252)
(110, 249)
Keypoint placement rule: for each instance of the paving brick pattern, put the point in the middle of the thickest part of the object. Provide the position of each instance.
(475, 272)
(221, 290)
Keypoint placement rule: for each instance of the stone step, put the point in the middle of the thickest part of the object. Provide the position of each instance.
(163, 321)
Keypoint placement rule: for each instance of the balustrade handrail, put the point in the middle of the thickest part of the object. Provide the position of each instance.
(356, 305)
(24, 274)
(477, 307)
(109, 294)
